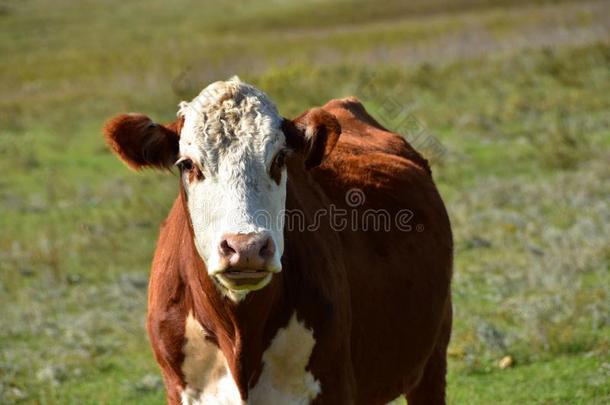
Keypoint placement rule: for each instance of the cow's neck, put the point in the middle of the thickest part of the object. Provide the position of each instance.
(242, 330)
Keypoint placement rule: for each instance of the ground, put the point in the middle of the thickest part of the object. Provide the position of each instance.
(509, 100)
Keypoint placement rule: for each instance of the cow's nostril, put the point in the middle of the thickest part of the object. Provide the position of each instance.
(267, 250)
(226, 249)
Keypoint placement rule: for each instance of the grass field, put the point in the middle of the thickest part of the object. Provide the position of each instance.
(509, 100)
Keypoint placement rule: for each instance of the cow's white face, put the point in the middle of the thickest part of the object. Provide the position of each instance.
(231, 155)
(230, 150)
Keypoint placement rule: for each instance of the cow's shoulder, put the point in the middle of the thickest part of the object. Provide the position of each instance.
(362, 134)
(350, 109)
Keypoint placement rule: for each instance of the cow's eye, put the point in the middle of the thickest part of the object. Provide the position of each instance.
(278, 163)
(189, 168)
(184, 164)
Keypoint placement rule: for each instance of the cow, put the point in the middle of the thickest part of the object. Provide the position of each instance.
(242, 307)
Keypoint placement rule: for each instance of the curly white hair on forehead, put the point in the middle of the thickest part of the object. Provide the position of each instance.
(225, 106)
(228, 114)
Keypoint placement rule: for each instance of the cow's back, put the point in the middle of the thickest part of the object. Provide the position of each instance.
(399, 278)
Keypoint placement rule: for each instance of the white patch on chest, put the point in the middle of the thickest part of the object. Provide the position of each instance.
(208, 378)
(284, 379)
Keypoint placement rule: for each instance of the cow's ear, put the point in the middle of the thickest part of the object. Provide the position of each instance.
(313, 133)
(141, 143)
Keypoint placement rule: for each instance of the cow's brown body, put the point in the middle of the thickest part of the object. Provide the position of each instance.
(378, 302)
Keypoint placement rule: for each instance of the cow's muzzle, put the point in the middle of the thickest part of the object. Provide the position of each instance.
(247, 260)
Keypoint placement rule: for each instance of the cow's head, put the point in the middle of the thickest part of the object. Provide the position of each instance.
(230, 145)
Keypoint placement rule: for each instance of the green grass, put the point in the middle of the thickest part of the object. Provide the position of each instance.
(509, 101)
(563, 380)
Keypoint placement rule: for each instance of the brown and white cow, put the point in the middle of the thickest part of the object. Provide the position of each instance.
(246, 309)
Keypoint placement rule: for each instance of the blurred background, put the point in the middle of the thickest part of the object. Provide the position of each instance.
(510, 101)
